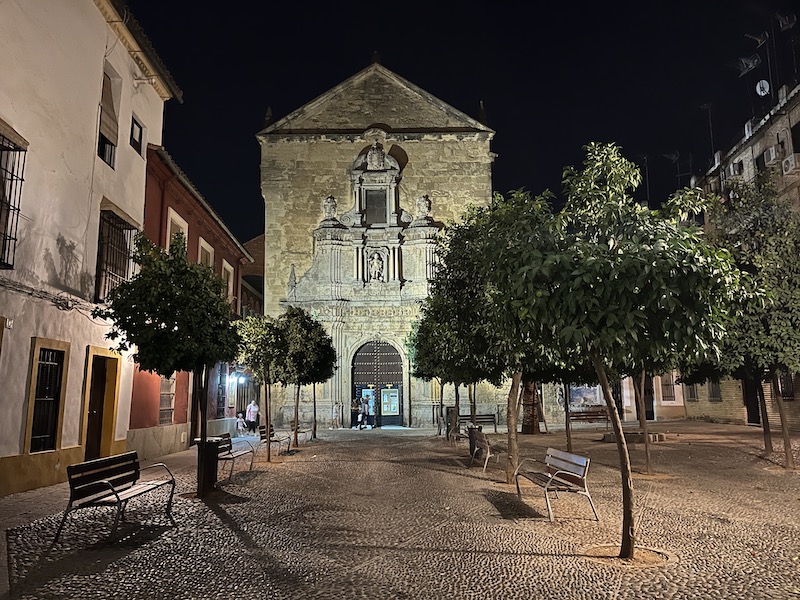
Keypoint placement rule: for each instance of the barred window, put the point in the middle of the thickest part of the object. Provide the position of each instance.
(47, 400)
(690, 392)
(714, 392)
(167, 400)
(114, 246)
(13, 150)
(786, 386)
(107, 139)
(667, 387)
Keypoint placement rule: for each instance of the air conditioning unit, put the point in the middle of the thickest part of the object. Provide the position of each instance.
(772, 155)
(791, 165)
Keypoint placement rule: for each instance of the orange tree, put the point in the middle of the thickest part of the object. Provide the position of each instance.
(174, 314)
(616, 283)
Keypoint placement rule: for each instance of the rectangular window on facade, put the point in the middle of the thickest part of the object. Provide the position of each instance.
(47, 399)
(227, 277)
(690, 392)
(107, 143)
(667, 387)
(137, 134)
(714, 392)
(166, 404)
(786, 386)
(205, 254)
(114, 246)
(13, 150)
(375, 206)
(176, 224)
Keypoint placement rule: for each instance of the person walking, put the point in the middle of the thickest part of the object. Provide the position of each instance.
(251, 416)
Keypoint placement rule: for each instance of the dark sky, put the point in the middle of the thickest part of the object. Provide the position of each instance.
(552, 77)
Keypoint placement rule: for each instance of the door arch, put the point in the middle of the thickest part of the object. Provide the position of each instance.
(377, 373)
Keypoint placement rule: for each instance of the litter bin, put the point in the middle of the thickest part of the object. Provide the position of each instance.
(471, 429)
(210, 454)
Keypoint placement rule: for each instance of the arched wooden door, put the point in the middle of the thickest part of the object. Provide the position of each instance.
(378, 376)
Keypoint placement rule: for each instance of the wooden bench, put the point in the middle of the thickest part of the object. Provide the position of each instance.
(228, 452)
(273, 438)
(566, 472)
(112, 481)
(480, 419)
(489, 449)
(591, 414)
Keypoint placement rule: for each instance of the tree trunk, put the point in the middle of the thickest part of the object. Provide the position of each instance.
(456, 411)
(511, 419)
(628, 527)
(441, 418)
(201, 406)
(530, 420)
(638, 389)
(787, 441)
(567, 421)
(314, 402)
(472, 407)
(296, 415)
(762, 405)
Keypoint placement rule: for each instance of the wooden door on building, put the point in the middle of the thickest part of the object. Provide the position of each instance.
(649, 408)
(378, 374)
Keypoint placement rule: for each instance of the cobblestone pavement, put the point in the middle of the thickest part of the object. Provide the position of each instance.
(397, 514)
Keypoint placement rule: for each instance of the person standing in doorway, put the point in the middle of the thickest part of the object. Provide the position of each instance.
(362, 423)
(251, 416)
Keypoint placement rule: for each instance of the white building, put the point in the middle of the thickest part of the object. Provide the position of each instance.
(83, 94)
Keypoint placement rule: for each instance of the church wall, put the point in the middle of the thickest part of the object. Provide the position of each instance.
(298, 173)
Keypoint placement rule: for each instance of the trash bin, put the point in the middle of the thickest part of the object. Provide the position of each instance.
(210, 454)
(471, 429)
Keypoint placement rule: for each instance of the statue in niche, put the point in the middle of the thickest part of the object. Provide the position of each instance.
(375, 267)
(423, 208)
(329, 207)
(376, 158)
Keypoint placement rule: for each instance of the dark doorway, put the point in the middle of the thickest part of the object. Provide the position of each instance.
(97, 400)
(378, 376)
(649, 409)
(750, 396)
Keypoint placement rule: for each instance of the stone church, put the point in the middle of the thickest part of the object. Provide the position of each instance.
(357, 185)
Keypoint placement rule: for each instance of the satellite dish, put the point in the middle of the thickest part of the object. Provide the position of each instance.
(762, 88)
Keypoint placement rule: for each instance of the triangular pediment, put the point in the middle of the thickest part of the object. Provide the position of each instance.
(375, 96)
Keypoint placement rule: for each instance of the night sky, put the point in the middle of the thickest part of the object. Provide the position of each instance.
(552, 78)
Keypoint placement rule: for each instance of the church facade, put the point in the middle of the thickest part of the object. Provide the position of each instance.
(357, 185)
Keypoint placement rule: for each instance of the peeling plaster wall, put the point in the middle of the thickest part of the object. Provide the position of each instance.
(53, 59)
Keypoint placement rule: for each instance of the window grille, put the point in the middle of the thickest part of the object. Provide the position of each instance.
(786, 386)
(166, 404)
(714, 392)
(114, 264)
(47, 399)
(12, 166)
(667, 388)
(690, 392)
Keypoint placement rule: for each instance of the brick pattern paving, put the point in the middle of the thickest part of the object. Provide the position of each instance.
(396, 514)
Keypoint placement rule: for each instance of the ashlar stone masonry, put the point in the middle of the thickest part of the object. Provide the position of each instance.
(357, 184)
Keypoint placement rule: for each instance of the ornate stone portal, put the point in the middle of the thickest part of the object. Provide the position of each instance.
(388, 164)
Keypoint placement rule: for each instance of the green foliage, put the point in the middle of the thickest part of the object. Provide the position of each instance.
(614, 279)
(763, 235)
(173, 311)
(309, 355)
(262, 344)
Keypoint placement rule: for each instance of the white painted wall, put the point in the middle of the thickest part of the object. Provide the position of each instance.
(52, 63)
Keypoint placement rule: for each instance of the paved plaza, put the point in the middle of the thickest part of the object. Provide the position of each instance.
(397, 514)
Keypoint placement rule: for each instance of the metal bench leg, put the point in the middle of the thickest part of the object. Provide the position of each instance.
(120, 509)
(486, 462)
(61, 526)
(549, 508)
(591, 503)
(233, 465)
(519, 493)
